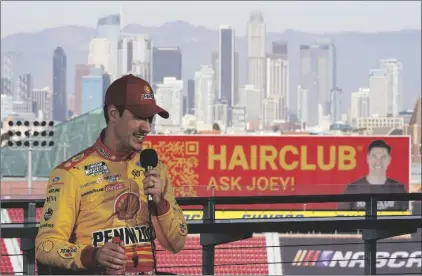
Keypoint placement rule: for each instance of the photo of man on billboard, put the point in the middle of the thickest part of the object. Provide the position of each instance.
(376, 181)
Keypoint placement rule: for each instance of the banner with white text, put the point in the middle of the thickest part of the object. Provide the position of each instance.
(336, 255)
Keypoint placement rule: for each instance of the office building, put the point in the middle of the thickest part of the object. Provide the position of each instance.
(204, 95)
(59, 85)
(169, 95)
(94, 87)
(256, 33)
(166, 62)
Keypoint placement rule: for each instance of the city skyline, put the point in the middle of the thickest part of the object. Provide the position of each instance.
(119, 51)
(301, 16)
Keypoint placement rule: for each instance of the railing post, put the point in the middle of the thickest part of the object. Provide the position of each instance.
(371, 243)
(208, 251)
(28, 244)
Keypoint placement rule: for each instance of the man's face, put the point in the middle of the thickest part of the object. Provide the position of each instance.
(378, 160)
(131, 131)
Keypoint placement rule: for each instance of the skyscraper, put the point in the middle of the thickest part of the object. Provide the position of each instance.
(395, 89)
(166, 62)
(278, 85)
(59, 85)
(94, 87)
(42, 99)
(169, 95)
(11, 70)
(280, 49)
(108, 27)
(227, 67)
(103, 48)
(190, 101)
(81, 70)
(216, 68)
(256, 50)
(316, 80)
(204, 95)
(24, 91)
(379, 86)
(134, 55)
(359, 106)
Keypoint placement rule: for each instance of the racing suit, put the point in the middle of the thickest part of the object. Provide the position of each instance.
(97, 195)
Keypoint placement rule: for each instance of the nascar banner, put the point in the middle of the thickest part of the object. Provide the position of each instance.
(336, 255)
(278, 165)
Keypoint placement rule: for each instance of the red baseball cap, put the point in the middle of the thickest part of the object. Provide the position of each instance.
(136, 95)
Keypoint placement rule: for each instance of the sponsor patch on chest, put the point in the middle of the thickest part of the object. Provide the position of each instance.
(114, 187)
(129, 235)
(96, 169)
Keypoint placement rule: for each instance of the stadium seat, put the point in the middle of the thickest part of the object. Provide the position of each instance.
(6, 264)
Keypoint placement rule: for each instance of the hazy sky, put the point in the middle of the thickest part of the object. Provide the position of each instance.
(304, 16)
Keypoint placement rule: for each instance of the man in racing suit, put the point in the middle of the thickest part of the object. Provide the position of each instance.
(102, 192)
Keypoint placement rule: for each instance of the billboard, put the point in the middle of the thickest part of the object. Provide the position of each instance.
(280, 165)
(336, 255)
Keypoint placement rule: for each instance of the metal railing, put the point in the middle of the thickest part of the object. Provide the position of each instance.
(214, 231)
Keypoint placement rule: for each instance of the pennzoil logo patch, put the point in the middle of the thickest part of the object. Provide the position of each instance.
(68, 252)
(183, 229)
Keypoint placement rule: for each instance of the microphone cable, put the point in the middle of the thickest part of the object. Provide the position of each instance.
(152, 235)
(151, 231)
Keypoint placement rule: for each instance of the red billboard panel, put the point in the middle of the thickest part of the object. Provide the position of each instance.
(282, 165)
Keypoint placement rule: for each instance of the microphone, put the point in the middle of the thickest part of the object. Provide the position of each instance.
(149, 160)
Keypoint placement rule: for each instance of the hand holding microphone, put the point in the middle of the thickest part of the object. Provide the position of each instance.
(152, 181)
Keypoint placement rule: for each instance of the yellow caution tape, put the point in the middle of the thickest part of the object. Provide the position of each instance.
(197, 215)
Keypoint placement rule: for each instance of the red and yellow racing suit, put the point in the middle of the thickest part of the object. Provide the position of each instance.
(97, 195)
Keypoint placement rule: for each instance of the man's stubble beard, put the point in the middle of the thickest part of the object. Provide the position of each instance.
(124, 143)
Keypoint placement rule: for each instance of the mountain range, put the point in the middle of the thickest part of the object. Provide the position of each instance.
(357, 53)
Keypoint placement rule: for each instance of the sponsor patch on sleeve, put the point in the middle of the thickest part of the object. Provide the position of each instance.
(78, 157)
(48, 214)
(53, 190)
(47, 246)
(183, 230)
(68, 252)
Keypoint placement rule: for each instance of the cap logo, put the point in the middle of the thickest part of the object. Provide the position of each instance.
(147, 95)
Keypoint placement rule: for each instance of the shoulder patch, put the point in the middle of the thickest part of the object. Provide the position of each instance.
(74, 160)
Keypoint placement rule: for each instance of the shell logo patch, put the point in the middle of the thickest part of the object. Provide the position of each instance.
(126, 206)
(47, 246)
(147, 89)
